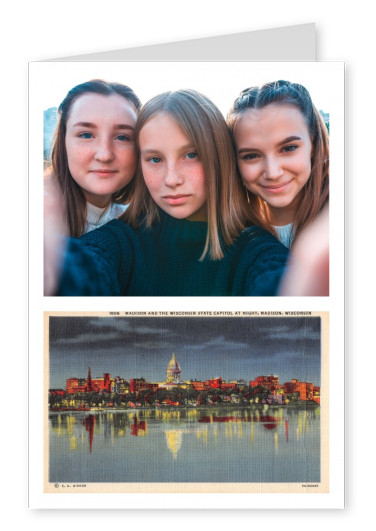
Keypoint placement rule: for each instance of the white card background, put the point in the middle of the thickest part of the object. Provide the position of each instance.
(221, 81)
(39, 30)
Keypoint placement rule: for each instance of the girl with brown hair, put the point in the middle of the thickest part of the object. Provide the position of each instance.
(282, 149)
(94, 155)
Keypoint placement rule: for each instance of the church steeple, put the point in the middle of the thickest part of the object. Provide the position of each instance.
(89, 386)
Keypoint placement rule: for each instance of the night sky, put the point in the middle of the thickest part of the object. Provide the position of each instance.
(205, 347)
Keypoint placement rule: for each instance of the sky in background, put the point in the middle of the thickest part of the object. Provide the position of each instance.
(221, 82)
(205, 347)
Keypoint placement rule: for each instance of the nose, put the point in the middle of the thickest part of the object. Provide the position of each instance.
(104, 152)
(173, 176)
(273, 168)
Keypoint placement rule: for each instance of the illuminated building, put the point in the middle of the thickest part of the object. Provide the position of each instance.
(173, 371)
(195, 384)
(76, 385)
(316, 395)
(120, 385)
(305, 389)
(88, 385)
(58, 392)
(137, 384)
(271, 382)
(214, 383)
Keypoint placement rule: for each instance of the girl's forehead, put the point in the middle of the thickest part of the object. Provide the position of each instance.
(162, 124)
(96, 103)
(159, 116)
(272, 116)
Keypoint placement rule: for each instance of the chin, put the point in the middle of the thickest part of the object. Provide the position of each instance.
(278, 202)
(179, 216)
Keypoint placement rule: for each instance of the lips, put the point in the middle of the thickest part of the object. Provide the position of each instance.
(177, 199)
(104, 173)
(276, 188)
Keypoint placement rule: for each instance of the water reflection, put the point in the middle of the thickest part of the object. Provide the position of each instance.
(118, 424)
(89, 423)
(138, 427)
(174, 439)
(209, 444)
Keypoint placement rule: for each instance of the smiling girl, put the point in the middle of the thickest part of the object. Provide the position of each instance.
(282, 152)
(183, 232)
(94, 156)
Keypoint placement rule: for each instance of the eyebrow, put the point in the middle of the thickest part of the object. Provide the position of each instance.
(182, 149)
(93, 126)
(284, 141)
(289, 139)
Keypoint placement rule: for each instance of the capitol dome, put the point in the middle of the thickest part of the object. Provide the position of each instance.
(173, 371)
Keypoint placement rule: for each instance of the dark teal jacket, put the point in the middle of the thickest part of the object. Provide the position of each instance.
(164, 260)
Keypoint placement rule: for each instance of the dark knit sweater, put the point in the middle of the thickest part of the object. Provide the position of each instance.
(164, 260)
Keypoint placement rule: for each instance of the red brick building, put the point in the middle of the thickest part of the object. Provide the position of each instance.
(305, 389)
(80, 385)
(137, 384)
(75, 385)
(271, 382)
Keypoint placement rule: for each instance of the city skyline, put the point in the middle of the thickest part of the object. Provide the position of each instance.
(205, 347)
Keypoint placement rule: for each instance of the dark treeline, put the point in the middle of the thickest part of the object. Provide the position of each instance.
(164, 396)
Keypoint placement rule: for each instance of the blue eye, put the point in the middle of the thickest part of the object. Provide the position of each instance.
(155, 160)
(123, 138)
(250, 156)
(86, 136)
(191, 155)
(292, 147)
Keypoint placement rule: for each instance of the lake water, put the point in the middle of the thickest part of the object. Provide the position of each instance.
(186, 445)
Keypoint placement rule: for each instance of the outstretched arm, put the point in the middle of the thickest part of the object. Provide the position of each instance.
(55, 236)
(100, 263)
(308, 272)
(262, 263)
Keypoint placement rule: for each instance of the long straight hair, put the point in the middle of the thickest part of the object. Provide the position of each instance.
(202, 122)
(315, 193)
(73, 196)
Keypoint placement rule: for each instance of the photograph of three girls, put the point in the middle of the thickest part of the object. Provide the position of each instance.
(171, 198)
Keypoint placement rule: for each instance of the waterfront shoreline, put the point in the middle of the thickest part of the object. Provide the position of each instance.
(301, 404)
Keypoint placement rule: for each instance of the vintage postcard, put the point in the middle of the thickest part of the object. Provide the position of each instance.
(186, 402)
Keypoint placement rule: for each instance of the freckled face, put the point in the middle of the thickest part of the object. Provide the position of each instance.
(100, 145)
(172, 169)
(273, 148)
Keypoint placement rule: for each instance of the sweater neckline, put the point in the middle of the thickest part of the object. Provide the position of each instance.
(94, 213)
(181, 232)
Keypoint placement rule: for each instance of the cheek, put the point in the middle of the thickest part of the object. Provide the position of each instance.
(128, 160)
(77, 156)
(195, 175)
(152, 177)
(304, 167)
(248, 173)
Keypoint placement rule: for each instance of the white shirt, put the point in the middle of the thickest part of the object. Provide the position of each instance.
(285, 234)
(96, 217)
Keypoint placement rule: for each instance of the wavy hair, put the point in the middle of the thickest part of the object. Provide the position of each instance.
(73, 196)
(315, 193)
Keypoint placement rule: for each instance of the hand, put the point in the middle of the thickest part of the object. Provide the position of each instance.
(308, 270)
(55, 233)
